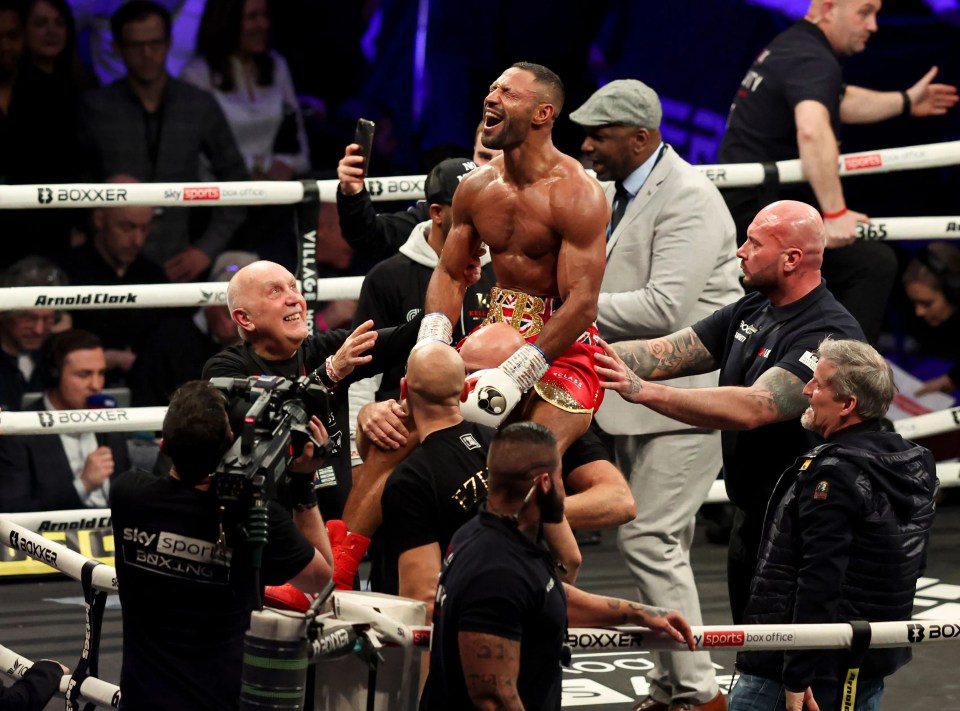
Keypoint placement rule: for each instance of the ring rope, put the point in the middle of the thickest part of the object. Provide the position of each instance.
(786, 636)
(141, 419)
(100, 519)
(93, 690)
(406, 187)
(906, 633)
(135, 296)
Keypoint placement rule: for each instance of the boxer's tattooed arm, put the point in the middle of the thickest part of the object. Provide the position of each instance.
(681, 353)
(490, 667)
(779, 393)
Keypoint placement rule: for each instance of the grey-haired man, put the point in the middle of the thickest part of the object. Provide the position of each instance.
(670, 261)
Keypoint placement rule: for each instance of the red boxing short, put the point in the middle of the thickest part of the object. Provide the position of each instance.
(571, 384)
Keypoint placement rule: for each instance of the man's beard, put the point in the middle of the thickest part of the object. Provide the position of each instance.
(551, 506)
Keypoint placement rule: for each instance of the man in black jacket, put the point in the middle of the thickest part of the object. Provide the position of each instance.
(271, 313)
(845, 539)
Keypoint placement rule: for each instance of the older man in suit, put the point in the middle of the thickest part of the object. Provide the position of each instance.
(670, 261)
(71, 470)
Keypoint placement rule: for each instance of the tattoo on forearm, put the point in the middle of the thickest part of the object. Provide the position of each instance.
(781, 393)
(681, 353)
(627, 614)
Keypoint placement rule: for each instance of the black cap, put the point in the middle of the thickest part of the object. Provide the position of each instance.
(444, 179)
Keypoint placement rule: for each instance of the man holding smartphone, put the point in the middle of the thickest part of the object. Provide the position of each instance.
(379, 236)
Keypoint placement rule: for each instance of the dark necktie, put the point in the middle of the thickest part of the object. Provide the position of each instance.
(620, 200)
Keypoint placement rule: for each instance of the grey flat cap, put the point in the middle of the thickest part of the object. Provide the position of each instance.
(626, 102)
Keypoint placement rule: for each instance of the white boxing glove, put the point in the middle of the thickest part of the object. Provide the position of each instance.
(495, 392)
(492, 397)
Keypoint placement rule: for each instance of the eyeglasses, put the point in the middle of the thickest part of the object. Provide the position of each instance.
(38, 317)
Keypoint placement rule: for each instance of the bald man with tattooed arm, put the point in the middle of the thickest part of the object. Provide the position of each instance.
(765, 346)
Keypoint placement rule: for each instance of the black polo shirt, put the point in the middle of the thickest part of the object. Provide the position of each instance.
(748, 338)
(497, 581)
(798, 65)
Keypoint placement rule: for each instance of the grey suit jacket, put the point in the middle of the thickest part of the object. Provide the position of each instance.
(670, 262)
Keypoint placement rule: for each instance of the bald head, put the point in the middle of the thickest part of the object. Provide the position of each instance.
(243, 283)
(795, 225)
(489, 346)
(435, 375)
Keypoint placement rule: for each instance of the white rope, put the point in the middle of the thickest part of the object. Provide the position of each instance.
(92, 690)
(69, 520)
(104, 577)
(907, 228)
(886, 160)
(410, 187)
(196, 194)
(120, 419)
(932, 423)
(74, 298)
(947, 472)
(725, 175)
(750, 637)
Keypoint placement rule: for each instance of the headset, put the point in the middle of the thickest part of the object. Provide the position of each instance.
(948, 279)
(60, 346)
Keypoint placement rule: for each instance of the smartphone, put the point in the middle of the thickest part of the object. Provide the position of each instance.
(364, 137)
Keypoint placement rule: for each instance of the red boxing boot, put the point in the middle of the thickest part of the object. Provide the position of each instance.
(347, 554)
(286, 597)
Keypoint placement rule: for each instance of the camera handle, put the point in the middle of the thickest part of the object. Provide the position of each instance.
(256, 532)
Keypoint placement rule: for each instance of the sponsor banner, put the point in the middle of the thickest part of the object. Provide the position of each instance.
(128, 419)
(15, 557)
(254, 192)
(862, 161)
(588, 638)
(930, 632)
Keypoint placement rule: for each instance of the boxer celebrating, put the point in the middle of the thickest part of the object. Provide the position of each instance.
(543, 219)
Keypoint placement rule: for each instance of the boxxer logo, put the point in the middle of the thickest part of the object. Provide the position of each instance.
(44, 196)
(915, 633)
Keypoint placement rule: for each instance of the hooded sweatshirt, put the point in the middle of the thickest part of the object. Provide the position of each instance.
(393, 293)
(845, 539)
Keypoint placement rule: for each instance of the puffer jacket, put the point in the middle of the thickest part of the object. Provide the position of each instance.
(845, 539)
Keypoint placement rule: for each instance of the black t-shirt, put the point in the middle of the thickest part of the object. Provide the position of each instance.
(185, 610)
(798, 65)
(392, 346)
(496, 581)
(435, 490)
(748, 338)
(429, 496)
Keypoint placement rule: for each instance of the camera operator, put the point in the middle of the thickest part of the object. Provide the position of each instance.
(185, 570)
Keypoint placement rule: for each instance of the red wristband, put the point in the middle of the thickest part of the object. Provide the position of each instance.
(835, 215)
